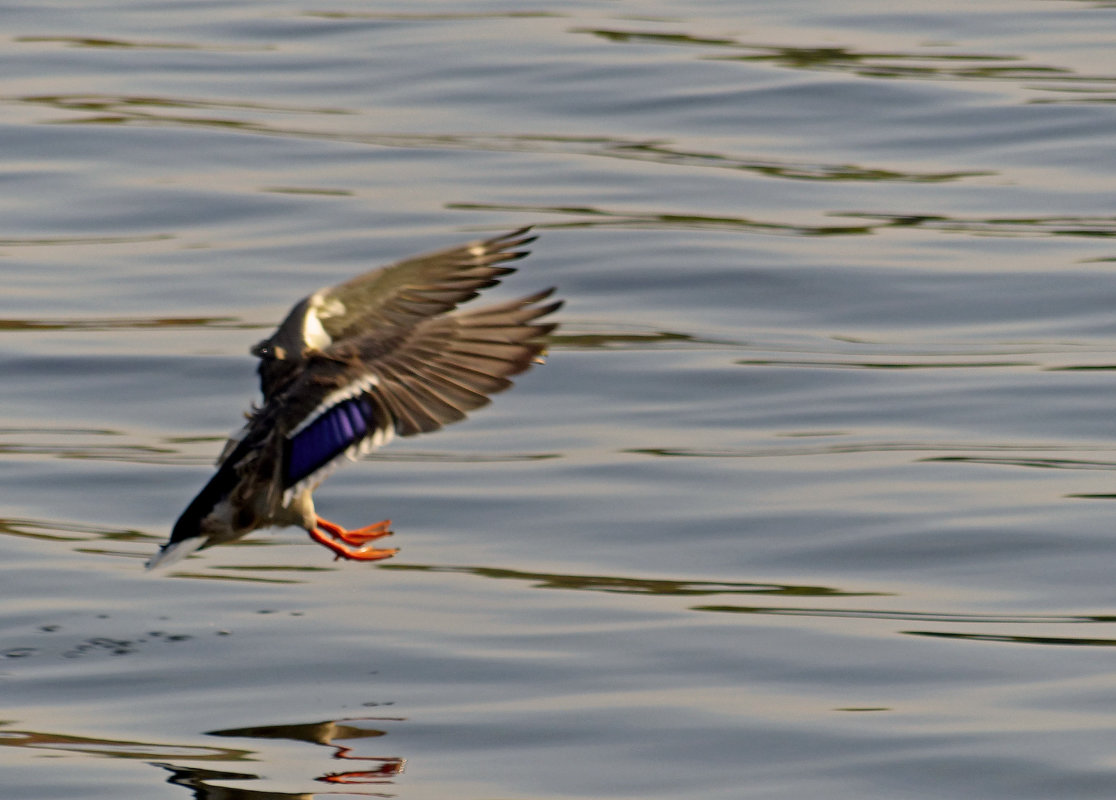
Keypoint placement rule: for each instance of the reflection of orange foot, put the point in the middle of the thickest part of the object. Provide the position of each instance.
(353, 544)
(390, 767)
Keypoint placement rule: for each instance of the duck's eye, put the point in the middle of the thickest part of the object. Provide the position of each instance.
(266, 350)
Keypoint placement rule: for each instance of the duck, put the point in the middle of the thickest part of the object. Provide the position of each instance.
(387, 353)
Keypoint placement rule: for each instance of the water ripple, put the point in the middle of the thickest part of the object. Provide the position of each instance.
(1090, 227)
(922, 64)
(138, 109)
(630, 585)
(114, 748)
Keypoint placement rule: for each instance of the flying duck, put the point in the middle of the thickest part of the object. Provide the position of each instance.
(384, 354)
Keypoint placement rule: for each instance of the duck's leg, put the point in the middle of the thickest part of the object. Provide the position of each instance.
(352, 544)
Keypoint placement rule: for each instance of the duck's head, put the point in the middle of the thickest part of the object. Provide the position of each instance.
(282, 353)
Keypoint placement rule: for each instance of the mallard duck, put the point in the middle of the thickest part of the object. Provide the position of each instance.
(384, 354)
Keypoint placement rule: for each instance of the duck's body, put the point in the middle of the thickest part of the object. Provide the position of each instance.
(350, 367)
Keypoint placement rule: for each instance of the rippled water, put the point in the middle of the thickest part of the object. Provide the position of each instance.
(814, 496)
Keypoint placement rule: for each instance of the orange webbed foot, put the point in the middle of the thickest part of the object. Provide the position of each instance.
(353, 544)
(357, 535)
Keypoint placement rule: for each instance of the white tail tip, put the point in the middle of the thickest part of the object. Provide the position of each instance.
(171, 553)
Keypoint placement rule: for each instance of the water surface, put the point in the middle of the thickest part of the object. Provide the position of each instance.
(814, 496)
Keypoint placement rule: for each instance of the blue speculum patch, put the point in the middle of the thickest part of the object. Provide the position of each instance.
(327, 437)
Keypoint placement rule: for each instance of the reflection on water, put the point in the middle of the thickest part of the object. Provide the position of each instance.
(681, 588)
(432, 16)
(1062, 641)
(920, 616)
(1028, 226)
(1032, 461)
(924, 64)
(328, 734)
(154, 110)
(1091, 227)
(127, 106)
(849, 448)
(204, 784)
(630, 340)
(122, 323)
(663, 152)
(622, 585)
(204, 779)
(593, 217)
(86, 444)
(58, 531)
(70, 241)
(63, 743)
(127, 44)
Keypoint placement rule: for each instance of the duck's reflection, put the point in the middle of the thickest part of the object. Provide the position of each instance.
(328, 733)
(205, 782)
(202, 783)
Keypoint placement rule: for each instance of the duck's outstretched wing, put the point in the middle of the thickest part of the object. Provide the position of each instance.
(397, 296)
(358, 393)
(402, 294)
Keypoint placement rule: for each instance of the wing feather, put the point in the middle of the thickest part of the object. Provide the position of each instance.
(476, 351)
(395, 297)
(417, 288)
